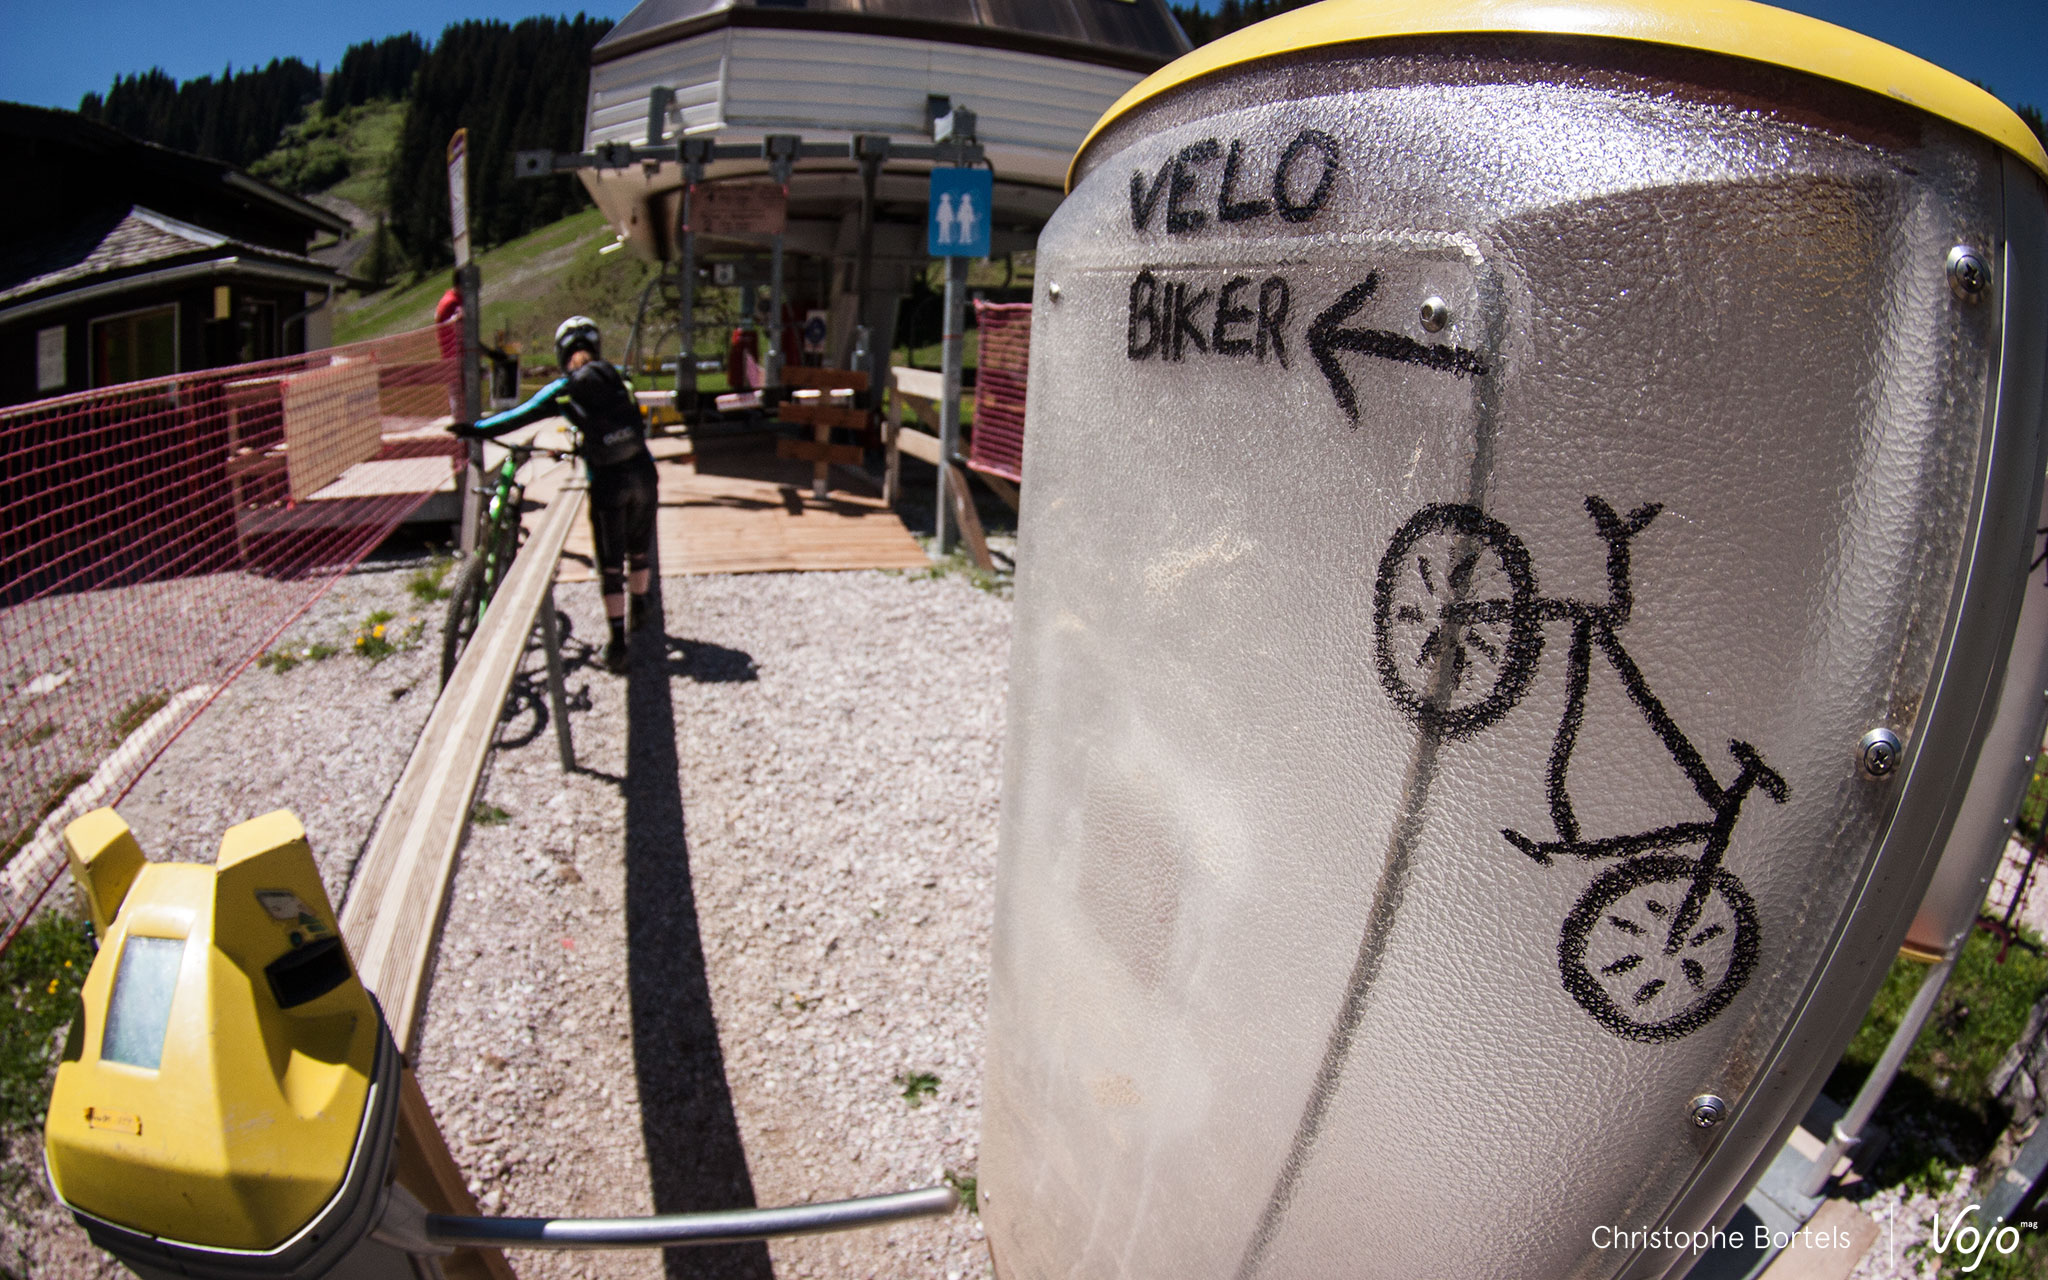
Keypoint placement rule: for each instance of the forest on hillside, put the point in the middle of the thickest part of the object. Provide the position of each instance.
(513, 85)
(385, 113)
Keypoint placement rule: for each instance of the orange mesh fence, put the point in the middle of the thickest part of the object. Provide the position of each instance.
(997, 444)
(156, 537)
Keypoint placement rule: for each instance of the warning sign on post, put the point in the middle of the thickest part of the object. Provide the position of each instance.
(957, 226)
(739, 208)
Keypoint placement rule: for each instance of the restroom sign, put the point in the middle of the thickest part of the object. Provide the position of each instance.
(957, 226)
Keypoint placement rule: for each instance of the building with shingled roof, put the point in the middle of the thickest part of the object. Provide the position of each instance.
(133, 260)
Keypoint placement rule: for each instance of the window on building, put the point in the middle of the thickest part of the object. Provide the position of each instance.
(50, 359)
(139, 344)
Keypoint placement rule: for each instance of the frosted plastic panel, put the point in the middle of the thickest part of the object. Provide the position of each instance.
(140, 1008)
(1473, 512)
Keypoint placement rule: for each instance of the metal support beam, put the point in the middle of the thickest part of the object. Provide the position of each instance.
(1848, 1131)
(781, 150)
(558, 702)
(949, 406)
(870, 151)
(694, 153)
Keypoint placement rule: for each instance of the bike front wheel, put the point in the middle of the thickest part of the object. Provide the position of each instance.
(1455, 632)
(481, 573)
(1624, 962)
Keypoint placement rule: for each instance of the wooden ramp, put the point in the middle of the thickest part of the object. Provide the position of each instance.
(732, 506)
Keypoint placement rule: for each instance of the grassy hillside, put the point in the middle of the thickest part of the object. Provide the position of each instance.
(345, 155)
(529, 285)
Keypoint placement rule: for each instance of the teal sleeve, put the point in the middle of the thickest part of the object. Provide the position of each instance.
(541, 406)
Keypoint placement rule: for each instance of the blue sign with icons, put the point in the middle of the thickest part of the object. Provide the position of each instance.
(958, 224)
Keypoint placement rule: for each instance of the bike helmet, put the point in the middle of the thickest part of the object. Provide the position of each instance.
(574, 334)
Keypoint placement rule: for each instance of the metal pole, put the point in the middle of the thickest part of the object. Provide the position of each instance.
(869, 150)
(664, 1230)
(781, 150)
(1848, 1131)
(558, 702)
(468, 284)
(949, 407)
(693, 152)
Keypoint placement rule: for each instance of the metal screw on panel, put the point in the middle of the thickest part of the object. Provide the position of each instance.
(1052, 291)
(1707, 1111)
(1879, 752)
(1435, 315)
(1968, 274)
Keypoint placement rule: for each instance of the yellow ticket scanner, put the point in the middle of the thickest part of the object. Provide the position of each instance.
(226, 1104)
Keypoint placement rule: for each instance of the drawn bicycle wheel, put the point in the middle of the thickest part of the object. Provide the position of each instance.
(1616, 957)
(1455, 633)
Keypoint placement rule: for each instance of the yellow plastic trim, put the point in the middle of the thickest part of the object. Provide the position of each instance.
(1736, 28)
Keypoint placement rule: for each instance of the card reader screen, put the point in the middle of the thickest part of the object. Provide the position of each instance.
(140, 1008)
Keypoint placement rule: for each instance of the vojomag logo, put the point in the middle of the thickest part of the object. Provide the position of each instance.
(1967, 1242)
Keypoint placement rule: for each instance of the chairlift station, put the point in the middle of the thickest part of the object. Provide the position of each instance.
(1037, 74)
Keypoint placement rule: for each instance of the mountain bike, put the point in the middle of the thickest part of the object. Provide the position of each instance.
(1658, 945)
(497, 544)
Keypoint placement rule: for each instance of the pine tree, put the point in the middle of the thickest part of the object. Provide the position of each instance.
(514, 87)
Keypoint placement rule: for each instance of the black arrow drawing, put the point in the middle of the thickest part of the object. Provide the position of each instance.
(1326, 338)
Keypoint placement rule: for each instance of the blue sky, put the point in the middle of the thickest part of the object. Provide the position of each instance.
(54, 52)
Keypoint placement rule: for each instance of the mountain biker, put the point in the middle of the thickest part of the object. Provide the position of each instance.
(612, 440)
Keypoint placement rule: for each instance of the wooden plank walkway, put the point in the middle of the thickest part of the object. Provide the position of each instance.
(737, 508)
(399, 892)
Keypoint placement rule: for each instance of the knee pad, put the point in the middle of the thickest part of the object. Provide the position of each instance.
(614, 581)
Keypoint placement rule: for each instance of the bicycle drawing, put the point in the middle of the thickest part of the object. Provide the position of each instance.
(1660, 943)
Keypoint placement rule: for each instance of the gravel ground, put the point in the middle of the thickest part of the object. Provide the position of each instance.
(703, 970)
(326, 740)
(700, 971)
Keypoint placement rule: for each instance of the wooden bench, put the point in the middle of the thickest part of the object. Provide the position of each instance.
(399, 896)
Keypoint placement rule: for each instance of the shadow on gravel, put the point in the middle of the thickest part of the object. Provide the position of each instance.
(694, 1155)
(707, 663)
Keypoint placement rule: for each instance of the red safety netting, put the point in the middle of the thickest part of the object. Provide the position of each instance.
(156, 537)
(997, 443)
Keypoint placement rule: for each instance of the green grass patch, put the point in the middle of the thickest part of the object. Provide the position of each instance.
(40, 974)
(430, 583)
(283, 660)
(918, 1086)
(379, 637)
(969, 1187)
(486, 814)
(36, 736)
(960, 564)
(137, 713)
(53, 796)
(1939, 1111)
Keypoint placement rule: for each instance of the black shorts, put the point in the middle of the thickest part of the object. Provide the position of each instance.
(622, 505)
